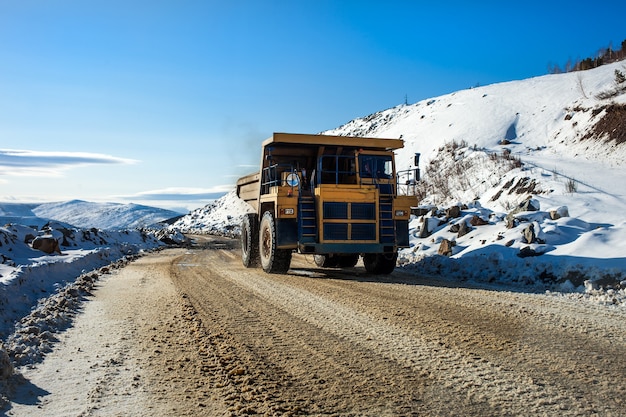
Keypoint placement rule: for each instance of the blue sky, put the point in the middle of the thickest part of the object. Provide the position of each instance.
(166, 102)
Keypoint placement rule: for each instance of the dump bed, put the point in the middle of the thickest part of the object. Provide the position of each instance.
(248, 189)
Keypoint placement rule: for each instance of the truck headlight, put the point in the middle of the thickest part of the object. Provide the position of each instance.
(400, 213)
(287, 211)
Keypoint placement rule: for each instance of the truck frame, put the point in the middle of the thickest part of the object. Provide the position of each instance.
(335, 197)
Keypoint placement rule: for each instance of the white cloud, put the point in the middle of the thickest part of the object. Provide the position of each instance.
(180, 194)
(16, 162)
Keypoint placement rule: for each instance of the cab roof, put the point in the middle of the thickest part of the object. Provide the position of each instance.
(328, 140)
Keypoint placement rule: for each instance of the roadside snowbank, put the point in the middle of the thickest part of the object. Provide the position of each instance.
(40, 293)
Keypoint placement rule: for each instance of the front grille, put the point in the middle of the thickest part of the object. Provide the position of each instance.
(335, 231)
(363, 231)
(363, 211)
(335, 210)
(349, 221)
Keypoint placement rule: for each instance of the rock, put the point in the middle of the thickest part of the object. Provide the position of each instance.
(46, 244)
(6, 367)
(445, 248)
(511, 222)
(453, 212)
(455, 228)
(463, 229)
(477, 221)
(529, 233)
(559, 212)
(530, 205)
(423, 228)
(526, 252)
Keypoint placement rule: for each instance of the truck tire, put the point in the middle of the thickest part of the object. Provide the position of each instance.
(273, 260)
(250, 241)
(325, 261)
(380, 263)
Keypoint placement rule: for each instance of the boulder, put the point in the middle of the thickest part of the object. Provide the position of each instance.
(445, 248)
(453, 212)
(46, 244)
(423, 228)
(527, 251)
(477, 221)
(529, 205)
(529, 233)
(6, 367)
(463, 229)
(559, 212)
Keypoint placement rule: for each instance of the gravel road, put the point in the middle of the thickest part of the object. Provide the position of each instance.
(192, 332)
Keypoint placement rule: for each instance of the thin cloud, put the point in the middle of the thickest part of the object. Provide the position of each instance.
(180, 194)
(37, 163)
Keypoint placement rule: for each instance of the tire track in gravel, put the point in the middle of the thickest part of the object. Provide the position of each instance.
(576, 350)
(340, 346)
(294, 367)
(493, 388)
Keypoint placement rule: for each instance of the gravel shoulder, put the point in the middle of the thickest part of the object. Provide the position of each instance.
(192, 332)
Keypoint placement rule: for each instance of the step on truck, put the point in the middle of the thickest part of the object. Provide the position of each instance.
(335, 197)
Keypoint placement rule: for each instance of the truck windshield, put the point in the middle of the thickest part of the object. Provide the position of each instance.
(375, 166)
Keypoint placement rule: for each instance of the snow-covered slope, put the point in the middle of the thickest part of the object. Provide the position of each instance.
(544, 117)
(108, 216)
(20, 214)
(222, 217)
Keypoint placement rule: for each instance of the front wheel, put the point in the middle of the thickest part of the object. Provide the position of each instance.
(273, 260)
(380, 263)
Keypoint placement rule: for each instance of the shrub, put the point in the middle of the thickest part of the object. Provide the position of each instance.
(571, 186)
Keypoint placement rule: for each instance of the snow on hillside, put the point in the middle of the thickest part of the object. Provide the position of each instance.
(21, 214)
(108, 216)
(84, 214)
(492, 149)
(221, 217)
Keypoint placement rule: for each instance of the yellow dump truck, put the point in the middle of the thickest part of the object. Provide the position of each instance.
(334, 197)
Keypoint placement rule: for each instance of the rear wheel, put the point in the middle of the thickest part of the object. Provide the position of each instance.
(380, 263)
(250, 241)
(273, 260)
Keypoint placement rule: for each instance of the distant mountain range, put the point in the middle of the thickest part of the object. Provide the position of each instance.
(84, 214)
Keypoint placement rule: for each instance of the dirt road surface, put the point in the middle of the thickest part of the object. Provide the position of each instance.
(193, 332)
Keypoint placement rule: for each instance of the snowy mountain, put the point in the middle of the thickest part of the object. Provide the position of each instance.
(84, 214)
(509, 156)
